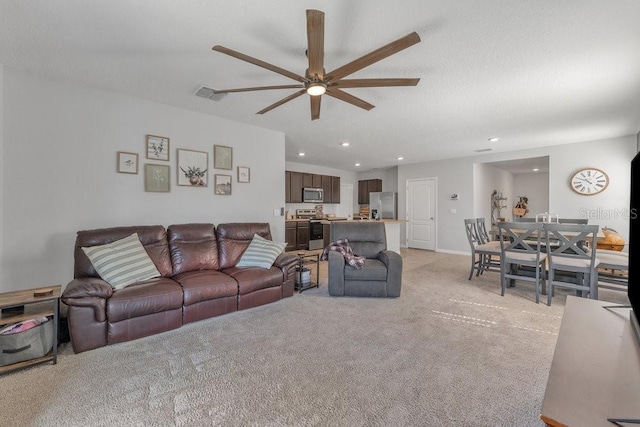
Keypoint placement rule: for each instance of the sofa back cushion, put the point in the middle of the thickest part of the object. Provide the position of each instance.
(366, 238)
(234, 238)
(193, 247)
(152, 237)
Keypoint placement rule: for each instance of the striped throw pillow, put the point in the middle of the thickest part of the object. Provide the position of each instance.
(261, 253)
(123, 262)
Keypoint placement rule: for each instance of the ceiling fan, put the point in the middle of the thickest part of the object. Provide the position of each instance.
(315, 81)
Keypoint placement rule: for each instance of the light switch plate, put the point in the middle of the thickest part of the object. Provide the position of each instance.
(453, 211)
(276, 212)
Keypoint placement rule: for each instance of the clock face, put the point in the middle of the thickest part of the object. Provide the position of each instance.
(589, 181)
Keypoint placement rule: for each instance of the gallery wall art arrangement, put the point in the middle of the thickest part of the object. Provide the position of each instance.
(192, 167)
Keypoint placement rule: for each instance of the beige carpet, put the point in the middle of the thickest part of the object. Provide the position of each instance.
(447, 352)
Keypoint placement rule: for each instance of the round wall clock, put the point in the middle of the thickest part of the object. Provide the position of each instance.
(589, 181)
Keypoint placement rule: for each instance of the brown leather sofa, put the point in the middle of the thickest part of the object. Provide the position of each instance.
(199, 280)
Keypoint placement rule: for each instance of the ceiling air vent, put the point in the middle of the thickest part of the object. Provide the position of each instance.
(483, 150)
(209, 93)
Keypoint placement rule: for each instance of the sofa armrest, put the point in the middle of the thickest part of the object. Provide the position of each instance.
(86, 287)
(287, 263)
(89, 292)
(336, 273)
(286, 260)
(393, 261)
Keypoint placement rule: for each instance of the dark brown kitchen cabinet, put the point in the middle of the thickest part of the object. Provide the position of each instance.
(296, 181)
(290, 231)
(307, 180)
(296, 234)
(302, 235)
(295, 195)
(287, 187)
(335, 189)
(326, 189)
(368, 186)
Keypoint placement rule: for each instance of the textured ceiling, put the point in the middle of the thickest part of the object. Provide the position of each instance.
(534, 73)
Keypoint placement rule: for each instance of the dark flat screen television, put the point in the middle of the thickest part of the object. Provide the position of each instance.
(634, 244)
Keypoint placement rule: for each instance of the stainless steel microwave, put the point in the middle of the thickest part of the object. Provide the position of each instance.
(312, 195)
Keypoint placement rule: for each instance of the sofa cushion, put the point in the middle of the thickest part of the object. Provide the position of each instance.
(153, 296)
(261, 253)
(122, 262)
(193, 247)
(255, 278)
(206, 285)
(373, 269)
(234, 238)
(153, 238)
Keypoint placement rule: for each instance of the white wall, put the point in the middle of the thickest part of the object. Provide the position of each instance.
(456, 176)
(59, 152)
(535, 186)
(346, 177)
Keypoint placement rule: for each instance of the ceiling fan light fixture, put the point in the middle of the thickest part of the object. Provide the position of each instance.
(316, 88)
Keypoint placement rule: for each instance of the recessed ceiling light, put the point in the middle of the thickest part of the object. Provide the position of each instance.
(345, 144)
(300, 154)
(494, 139)
(536, 169)
(399, 158)
(357, 164)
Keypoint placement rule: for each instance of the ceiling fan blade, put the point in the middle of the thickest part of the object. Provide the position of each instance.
(375, 82)
(344, 96)
(375, 56)
(315, 42)
(259, 63)
(315, 107)
(282, 101)
(251, 89)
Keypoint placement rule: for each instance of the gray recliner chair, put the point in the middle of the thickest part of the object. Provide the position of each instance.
(381, 275)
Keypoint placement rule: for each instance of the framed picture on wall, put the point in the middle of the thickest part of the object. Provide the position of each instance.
(157, 148)
(222, 157)
(243, 174)
(222, 185)
(127, 162)
(192, 168)
(157, 178)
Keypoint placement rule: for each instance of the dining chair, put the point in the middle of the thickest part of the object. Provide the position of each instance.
(481, 253)
(491, 261)
(613, 270)
(572, 264)
(521, 257)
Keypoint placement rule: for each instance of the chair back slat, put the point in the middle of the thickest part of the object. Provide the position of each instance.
(482, 230)
(519, 236)
(470, 226)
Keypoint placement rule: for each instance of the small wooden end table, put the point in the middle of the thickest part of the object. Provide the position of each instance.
(37, 302)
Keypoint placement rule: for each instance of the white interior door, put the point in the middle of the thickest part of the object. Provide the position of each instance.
(345, 208)
(421, 217)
